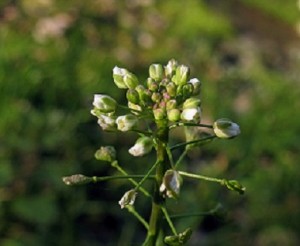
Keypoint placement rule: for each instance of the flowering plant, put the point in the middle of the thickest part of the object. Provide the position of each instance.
(168, 99)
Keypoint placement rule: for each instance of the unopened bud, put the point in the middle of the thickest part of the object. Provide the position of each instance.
(152, 85)
(156, 72)
(234, 185)
(107, 123)
(128, 198)
(191, 102)
(126, 122)
(76, 179)
(156, 97)
(191, 115)
(106, 153)
(134, 107)
(171, 184)
(132, 96)
(187, 90)
(171, 104)
(225, 128)
(171, 68)
(181, 75)
(131, 80)
(180, 239)
(171, 89)
(141, 147)
(159, 113)
(144, 94)
(118, 75)
(196, 86)
(104, 103)
(173, 115)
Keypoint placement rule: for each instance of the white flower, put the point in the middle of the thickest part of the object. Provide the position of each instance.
(191, 102)
(225, 128)
(118, 75)
(128, 198)
(156, 71)
(142, 146)
(171, 184)
(134, 107)
(181, 75)
(196, 85)
(191, 114)
(126, 122)
(171, 68)
(104, 103)
(107, 123)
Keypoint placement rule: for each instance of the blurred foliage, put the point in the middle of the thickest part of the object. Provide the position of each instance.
(54, 55)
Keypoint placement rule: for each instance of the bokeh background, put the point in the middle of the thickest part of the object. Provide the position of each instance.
(54, 55)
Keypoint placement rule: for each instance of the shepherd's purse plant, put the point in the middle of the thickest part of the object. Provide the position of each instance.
(168, 99)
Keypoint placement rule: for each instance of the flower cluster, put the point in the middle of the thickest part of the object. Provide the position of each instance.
(168, 94)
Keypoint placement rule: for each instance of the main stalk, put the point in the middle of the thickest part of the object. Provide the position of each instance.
(155, 223)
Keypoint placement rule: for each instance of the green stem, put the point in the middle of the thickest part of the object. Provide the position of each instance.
(189, 124)
(147, 175)
(96, 179)
(167, 217)
(162, 137)
(202, 177)
(192, 142)
(132, 210)
(169, 153)
(121, 170)
(183, 154)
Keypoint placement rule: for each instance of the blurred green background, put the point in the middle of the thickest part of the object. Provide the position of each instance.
(54, 55)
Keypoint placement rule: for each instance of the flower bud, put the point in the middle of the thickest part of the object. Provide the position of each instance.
(191, 114)
(104, 103)
(132, 96)
(156, 72)
(225, 128)
(134, 107)
(171, 104)
(144, 94)
(171, 184)
(192, 102)
(187, 90)
(126, 122)
(141, 147)
(118, 75)
(196, 86)
(181, 75)
(96, 112)
(107, 123)
(171, 89)
(171, 68)
(159, 113)
(130, 80)
(152, 85)
(76, 179)
(106, 153)
(156, 97)
(234, 185)
(128, 198)
(173, 115)
(180, 239)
